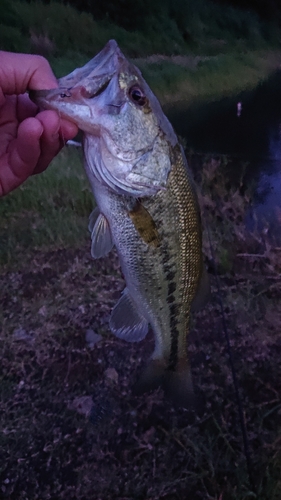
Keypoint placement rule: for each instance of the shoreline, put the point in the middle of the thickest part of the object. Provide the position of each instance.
(199, 78)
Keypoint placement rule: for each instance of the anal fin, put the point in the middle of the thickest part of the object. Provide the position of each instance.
(126, 322)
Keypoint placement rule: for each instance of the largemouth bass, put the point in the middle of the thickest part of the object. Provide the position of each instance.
(146, 207)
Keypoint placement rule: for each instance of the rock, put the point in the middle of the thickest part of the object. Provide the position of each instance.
(92, 338)
(82, 404)
(112, 374)
(20, 334)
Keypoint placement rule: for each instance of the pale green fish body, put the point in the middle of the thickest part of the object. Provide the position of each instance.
(147, 208)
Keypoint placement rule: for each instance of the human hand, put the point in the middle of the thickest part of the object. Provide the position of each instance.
(29, 139)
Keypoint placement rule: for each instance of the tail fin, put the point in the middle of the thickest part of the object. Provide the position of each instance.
(177, 384)
(151, 378)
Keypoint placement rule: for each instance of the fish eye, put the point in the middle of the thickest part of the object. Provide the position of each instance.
(137, 95)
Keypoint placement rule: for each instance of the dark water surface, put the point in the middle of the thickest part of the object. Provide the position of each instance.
(253, 138)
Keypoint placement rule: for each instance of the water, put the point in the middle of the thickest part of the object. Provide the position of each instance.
(248, 128)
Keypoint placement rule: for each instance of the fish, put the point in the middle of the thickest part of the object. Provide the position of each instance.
(147, 208)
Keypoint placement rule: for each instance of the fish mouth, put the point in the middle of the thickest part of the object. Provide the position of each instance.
(83, 83)
(91, 77)
(75, 98)
(128, 138)
(102, 64)
(72, 104)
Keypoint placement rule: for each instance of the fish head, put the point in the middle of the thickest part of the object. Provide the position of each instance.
(128, 138)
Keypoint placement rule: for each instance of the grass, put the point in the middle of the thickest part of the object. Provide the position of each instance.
(68, 419)
(49, 210)
(207, 78)
(200, 26)
(224, 50)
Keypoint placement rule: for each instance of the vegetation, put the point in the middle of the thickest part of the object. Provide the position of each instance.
(141, 27)
(186, 49)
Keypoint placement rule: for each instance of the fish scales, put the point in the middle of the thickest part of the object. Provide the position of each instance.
(146, 207)
(178, 256)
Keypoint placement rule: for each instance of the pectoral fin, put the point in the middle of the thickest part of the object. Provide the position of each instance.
(93, 219)
(101, 235)
(126, 322)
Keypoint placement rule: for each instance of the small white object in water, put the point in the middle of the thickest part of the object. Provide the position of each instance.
(239, 108)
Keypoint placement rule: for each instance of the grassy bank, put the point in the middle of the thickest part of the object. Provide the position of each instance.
(194, 77)
(190, 78)
(207, 78)
(68, 419)
(219, 51)
(200, 26)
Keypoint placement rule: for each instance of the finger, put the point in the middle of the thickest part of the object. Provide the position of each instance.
(51, 141)
(68, 130)
(20, 72)
(38, 141)
(25, 107)
(22, 156)
(56, 133)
